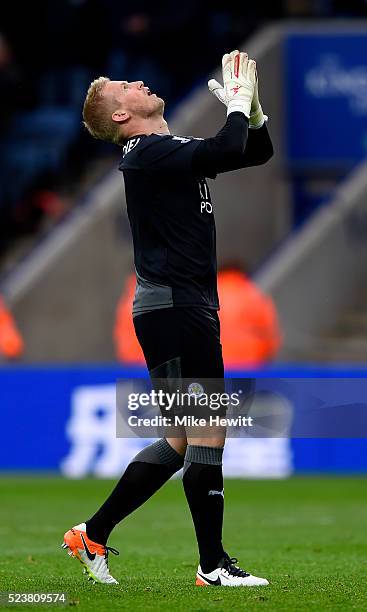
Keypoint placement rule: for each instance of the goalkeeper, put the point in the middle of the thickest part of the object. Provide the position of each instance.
(176, 302)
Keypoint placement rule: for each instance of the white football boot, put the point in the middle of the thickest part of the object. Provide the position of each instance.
(228, 574)
(93, 556)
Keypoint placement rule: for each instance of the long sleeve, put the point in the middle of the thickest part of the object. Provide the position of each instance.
(234, 147)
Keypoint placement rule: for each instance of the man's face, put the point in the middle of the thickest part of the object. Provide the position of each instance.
(134, 98)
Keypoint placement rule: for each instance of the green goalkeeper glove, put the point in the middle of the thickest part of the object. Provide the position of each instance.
(256, 116)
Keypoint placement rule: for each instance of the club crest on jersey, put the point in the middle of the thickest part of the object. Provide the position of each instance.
(195, 389)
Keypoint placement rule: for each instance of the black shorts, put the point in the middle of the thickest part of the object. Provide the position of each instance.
(183, 352)
(190, 337)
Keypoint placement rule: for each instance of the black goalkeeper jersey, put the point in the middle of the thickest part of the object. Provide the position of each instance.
(171, 213)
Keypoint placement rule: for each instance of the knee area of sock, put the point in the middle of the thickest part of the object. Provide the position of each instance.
(160, 453)
(206, 455)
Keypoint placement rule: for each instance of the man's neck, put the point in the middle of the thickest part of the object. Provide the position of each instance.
(150, 125)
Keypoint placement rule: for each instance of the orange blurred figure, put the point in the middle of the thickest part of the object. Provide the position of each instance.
(250, 334)
(127, 346)
(11, 342)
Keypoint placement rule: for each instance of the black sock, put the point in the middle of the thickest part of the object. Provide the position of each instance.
(147, 472)
(203, 484)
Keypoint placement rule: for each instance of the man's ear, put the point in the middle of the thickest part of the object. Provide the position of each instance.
(120, 116)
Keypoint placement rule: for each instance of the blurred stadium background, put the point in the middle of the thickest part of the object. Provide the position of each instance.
(298, 225)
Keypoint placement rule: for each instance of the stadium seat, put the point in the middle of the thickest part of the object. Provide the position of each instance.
(47, 122)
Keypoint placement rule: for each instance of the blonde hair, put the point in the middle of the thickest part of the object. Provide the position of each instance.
(97, 113)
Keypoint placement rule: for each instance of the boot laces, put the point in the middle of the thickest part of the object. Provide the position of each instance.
(107, 550)
(230, 567)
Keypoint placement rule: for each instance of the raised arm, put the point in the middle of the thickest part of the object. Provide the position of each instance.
(234, 147)
(213, 155)
(259, 148)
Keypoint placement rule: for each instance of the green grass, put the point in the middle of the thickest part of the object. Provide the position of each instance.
(307, 536)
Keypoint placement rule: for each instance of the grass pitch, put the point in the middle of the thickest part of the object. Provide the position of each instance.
(307, 536)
